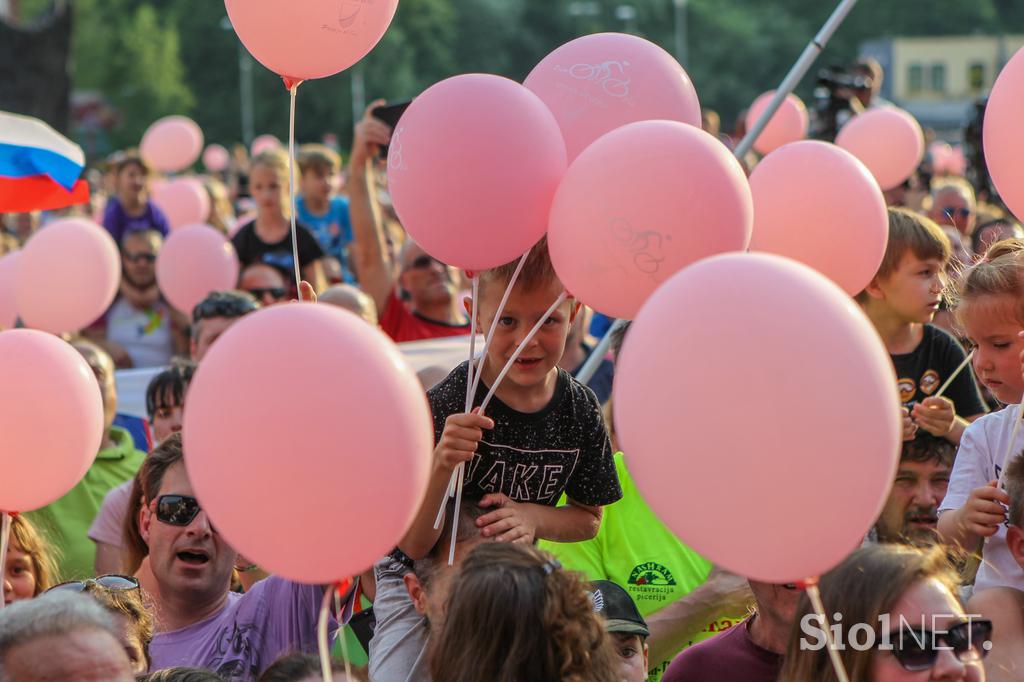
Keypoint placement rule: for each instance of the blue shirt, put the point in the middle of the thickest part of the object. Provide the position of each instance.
(333, 230)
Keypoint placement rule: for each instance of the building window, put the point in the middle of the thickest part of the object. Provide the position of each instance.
(915, 78)
(938, 78)
(976, 77)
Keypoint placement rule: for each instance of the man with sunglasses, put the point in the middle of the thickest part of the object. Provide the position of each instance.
(201, 622)
(140, 329)
(265, 283)
(1004, 606)
(953, 204)
(431, 308)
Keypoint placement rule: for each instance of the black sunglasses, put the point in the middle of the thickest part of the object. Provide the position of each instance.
(136, 257)
(916, 649)
(177, 510)
(274, 292)
(113, 581)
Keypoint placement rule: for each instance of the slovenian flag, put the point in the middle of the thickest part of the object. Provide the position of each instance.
(39, 167)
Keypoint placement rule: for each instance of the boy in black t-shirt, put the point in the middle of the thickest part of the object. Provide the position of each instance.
(900, 301)
(543, 433)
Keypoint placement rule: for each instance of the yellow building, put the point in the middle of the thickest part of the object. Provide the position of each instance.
(938, 78)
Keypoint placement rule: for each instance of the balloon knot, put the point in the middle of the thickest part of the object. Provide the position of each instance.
(804, 584)
(291, 82)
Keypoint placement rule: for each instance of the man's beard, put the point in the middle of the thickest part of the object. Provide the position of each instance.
(129, 280)
(920, 535)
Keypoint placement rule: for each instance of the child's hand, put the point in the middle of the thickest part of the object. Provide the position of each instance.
(909, 427)
(935, 415)
(984, 510)
(510, 522)
(459, 439)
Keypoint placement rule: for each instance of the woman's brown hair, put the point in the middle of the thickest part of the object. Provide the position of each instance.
(513, 614)
(32, 542)
(866, 585)
(128, 603)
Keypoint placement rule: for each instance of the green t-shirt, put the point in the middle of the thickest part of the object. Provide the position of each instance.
(635, 550)
(66, 522)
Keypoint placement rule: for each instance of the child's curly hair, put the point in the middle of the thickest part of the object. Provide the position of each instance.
(513, 614)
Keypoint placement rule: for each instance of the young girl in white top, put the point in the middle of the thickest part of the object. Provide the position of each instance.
(989, 304)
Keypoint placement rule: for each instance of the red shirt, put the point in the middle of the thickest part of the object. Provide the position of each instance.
(402, 324)
(729, 657)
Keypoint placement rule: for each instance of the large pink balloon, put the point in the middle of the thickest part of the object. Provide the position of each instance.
(265, 143)
(788, 123)
(195, 260)
(472, 168)
(67, 276)
(818, 204)
(343, 471)
(51, 418)
(183, 200)
(8, 305)
(599, 82)
(216, 158)
(1002, 139)
(639, 204)
(172, 144)
(312, 38)
(888, 140)
(785, 394)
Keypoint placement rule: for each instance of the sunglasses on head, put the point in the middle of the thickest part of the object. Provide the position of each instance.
(274, 292)
(114, 582)
(136, 257)
(177, 510)
(917, 649)
(952, 211)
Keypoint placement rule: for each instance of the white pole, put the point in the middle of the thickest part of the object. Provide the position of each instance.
(597, 355)
(803, 64)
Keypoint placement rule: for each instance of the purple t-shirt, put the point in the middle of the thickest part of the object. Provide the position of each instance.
(275, 617)
(729, 657)
(119, 223)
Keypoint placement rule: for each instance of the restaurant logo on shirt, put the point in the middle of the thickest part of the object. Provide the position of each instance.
(907, 389)
(930, 381)
(651, 581)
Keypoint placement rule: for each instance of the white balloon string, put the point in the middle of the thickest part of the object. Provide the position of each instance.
(833, 653)
(5, 534)
(455, 510)
(321, 633)
(1009, 448)
(291, 186)
(955, 374)
(522, 346)
(341, 628)
(497, 316)
(472, 344)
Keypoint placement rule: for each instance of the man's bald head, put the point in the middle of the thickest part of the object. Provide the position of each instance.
(352, 299)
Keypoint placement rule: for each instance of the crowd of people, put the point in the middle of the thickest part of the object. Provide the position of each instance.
(561, 571)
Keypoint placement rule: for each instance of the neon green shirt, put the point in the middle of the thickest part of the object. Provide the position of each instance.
(635, 550)
(66, 522)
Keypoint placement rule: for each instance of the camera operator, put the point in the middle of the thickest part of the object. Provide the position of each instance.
(843, 93)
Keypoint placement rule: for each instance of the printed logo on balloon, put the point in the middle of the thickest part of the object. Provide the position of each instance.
(348, 13)
(636, 251)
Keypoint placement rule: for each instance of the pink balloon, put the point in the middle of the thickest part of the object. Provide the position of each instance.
(472, 168)
(67, 276)
(216, 158)
(265, 143)
(816, 203)
(599, 82)
(319, 453)
(888, 140)
(788, 123)
(172, 144)
(51, 417)
(183, 200)
(195, 260)
(774, 340)
(313, 38)
(641, 203)
(1002, 140)
(8, 305)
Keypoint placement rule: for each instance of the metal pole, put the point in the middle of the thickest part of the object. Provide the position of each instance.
(803, 64)
(597, 355)
(245, 95)
(682, 48)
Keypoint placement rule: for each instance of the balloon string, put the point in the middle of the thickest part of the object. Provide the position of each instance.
(321, 634)
(344, 642)
(954, 375)
(819, 608)
(5, 533)
(291, 186)
(473, 378)
(1009, 448)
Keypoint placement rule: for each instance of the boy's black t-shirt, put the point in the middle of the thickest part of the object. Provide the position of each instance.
(535, 457)
(920, 373)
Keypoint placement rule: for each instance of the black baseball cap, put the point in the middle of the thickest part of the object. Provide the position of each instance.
(617, 608)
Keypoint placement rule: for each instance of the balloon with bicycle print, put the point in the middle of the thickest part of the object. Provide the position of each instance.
(600, 82)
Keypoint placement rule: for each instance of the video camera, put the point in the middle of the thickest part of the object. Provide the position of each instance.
(836, 86)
